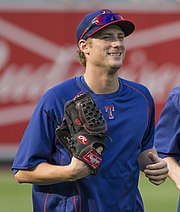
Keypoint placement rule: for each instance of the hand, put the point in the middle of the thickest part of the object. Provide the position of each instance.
(157, 171)
(78, 169)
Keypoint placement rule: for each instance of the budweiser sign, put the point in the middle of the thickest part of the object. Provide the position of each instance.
(38, 51)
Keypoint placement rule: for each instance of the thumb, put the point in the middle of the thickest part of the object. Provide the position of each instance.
(153, 157)
(99, 149)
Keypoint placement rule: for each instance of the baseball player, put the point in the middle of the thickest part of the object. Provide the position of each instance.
(167, 136)
(62, 180)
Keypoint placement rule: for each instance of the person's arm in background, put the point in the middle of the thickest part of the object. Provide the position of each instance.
(174, 170)
(167, 135)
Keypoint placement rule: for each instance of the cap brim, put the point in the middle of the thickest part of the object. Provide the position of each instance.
(126, 26)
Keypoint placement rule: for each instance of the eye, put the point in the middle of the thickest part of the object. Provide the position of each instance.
(121, 37)
(107, 37)
(112, 37)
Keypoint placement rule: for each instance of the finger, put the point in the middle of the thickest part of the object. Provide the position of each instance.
(156, 182)
(156, 172)
(153, 157)
(99, 149)
(156, 177)
(161, 164)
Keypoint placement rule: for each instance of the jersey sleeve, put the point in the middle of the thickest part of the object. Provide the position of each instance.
(38, 140)
(147, 139)
(167, 134)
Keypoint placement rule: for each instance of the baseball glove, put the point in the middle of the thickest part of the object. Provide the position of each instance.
(83, 130)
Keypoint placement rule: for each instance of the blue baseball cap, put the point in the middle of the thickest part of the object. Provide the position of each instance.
(95, 21)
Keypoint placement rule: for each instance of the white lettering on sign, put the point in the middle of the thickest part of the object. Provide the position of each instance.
(158, 78)
(26, 82)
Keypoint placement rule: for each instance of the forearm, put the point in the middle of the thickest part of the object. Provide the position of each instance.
(174, 170)
(46, 173)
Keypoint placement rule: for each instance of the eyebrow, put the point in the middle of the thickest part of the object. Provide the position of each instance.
(111, 33)
(100, 34)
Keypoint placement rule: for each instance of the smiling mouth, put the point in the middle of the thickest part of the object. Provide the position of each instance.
(115, 54)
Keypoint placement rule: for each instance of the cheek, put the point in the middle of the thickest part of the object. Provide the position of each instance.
(97, 51)
(124, 54)
(123, 51)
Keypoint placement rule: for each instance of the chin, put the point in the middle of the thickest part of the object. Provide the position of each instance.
(114, 70)
(116, 66)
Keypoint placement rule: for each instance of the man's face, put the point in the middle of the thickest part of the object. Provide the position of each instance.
(107, 48)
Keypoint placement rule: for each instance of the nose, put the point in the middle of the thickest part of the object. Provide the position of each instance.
(117, 42)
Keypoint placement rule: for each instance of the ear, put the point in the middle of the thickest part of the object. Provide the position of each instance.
(83, 46)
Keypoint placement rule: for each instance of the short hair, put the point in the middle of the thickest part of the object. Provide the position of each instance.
(81, 57)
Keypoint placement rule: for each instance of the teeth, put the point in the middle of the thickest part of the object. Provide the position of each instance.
(115, 54)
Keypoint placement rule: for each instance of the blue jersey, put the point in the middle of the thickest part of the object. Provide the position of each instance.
(129, 113)
(167, 136)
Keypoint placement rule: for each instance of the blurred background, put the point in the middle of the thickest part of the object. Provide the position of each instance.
(38, 50)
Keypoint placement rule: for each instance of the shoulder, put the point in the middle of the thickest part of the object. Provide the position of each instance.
(58, 95)
(175, 92)
(64, 91)
(54, 99)
(138, 88)
(174, 98)
(64, 87)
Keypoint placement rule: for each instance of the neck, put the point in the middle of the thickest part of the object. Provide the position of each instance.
(102, 82)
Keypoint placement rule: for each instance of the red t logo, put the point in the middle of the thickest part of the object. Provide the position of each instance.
(109, 110)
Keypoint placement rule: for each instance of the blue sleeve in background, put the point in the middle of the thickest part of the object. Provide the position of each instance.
(167, 134)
